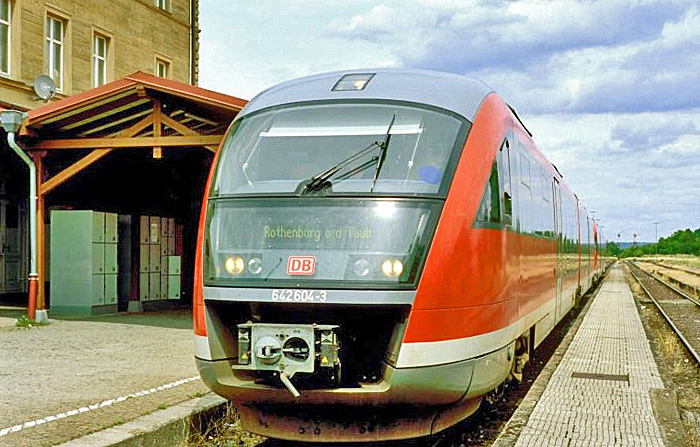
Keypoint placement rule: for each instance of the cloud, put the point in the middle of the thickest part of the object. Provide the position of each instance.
(609, 88)
(633, 169)
(662, 132)
(568, 55)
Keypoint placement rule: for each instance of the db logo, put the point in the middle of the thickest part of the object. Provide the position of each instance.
(301, 265)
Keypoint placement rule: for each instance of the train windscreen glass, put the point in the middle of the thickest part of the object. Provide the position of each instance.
(375, 148)
(332, 242)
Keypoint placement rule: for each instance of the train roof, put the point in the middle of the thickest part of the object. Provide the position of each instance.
(448, 91)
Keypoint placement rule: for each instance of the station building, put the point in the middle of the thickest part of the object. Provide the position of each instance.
(125, 138)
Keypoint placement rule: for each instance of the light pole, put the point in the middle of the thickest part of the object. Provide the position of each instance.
(11, 121)
(656, 234)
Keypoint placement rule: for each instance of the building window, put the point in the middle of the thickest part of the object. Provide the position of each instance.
(99, 60)
(162, 68)
(163, 4)
(5, 16)
(54, 50)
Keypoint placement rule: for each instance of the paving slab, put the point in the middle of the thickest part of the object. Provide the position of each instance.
(73, 377)
(599, 394)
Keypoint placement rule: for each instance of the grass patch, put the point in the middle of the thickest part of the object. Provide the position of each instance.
(223, 431)
(26, 323)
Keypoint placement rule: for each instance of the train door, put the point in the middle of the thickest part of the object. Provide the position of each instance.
(558, 270)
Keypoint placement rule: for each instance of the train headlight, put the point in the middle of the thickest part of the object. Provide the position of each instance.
(234, 265)
(255, 266)
(361, 267)
(392, 267)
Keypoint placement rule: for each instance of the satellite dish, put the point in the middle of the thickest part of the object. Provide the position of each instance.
(44, 87)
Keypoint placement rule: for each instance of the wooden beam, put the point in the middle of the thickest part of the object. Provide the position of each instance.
(157, 127)
(86, 161)
(177, 126)
(73, 169)
(113, 123)
(134, 129)
(93, 143)
(91, 105)
(184, 130)
(104, 114)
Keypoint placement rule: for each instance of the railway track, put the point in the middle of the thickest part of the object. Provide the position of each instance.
(674, 267)
(681, 311)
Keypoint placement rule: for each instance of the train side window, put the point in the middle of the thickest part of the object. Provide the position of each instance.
(525, 170)
(490, 208)
(504, 161)
(497, 203)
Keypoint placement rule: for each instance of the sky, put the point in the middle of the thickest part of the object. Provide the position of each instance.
(610, 89)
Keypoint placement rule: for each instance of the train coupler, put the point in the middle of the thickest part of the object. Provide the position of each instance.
(288, 349)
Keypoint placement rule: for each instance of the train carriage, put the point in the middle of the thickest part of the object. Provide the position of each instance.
(378, 251)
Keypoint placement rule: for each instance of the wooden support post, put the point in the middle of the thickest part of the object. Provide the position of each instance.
(40, 233)
(157, 127)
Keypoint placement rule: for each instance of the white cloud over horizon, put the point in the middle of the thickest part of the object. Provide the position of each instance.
(609, 88)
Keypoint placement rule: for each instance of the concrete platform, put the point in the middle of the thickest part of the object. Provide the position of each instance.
(73, 377)
(600, 393)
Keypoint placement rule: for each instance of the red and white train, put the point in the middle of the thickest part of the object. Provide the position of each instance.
(378, 251)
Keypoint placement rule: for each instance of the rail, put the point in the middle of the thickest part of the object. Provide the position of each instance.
(668, 319)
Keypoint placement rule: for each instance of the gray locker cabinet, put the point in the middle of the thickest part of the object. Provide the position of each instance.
(174, 265)
(78, 260)
(144, 230)
(98, 290)
(154, 232)
(144, 288)
(70, 264)
(171, 227)
(111, 232)
(171, 245)
(154, 258)
(173, 287)
(164, 286)
(98, 257)
(111, 261)
(98, 226)
(154, 286)
(164, 247)
(164, 265)
(110, 296)
(144, 258)
(163, 228)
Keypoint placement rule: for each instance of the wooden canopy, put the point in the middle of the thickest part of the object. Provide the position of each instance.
(138, 112)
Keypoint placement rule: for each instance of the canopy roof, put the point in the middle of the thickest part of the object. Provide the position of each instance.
(113, 109)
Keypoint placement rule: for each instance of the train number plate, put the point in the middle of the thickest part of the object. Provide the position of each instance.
(301, 265)
(299, 295)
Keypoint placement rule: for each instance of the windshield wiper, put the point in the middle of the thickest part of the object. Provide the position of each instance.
(321, 180)
(382, 152)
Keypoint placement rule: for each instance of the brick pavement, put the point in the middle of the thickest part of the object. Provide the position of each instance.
(612, 407)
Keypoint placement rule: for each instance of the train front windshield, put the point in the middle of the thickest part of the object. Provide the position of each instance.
(330, 195)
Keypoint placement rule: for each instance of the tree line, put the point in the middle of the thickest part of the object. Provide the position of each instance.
(681, 242)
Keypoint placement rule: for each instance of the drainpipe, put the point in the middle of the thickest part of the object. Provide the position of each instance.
(11, 121)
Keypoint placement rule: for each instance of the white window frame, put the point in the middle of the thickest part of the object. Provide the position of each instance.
(166, 68)
(163, 4)
(8, 45)
(51, 42)
(99, 58)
